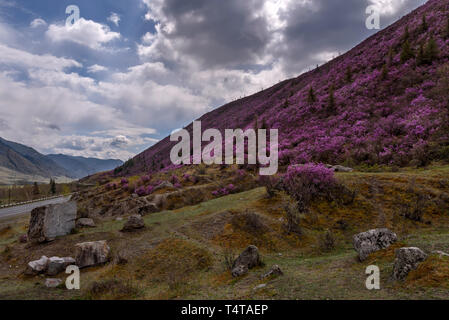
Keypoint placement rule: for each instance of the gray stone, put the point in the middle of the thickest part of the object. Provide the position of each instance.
(147, 209)
(57, 265)
(407, 259)
(440, 253)
(90, 254)
(52, 283)
(248, 259)
(37, 266)
(85, 223)
(135, 222)
(164, 185)
(49, 222)
(371, 241)
(260, 286)
(273, 272)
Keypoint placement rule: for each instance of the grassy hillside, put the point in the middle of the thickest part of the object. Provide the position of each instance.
(182, 253)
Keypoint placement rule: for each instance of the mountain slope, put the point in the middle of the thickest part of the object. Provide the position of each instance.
(23, 159)
(80, 167)
(386, 101)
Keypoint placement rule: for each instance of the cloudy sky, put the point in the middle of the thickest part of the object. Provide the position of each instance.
(129, 72)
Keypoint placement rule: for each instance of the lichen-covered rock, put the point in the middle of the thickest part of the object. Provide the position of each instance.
(273, 272)
(52, 283)
(371, 241)
(90, 254)
(37, 266)
(407, 259)
(85, 223)
(248, 259)
(57, 265)
(49, 222)
(135, 222)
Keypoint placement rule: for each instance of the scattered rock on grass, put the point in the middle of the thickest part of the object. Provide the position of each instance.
(407, 259)
(52, 283)
(57, 265)
(90, 254)
(248, 259)
(441, 253)
(273, 272)
(37, 266)
(49, 222)
(135, 222)
(85, 223)
(374, 240)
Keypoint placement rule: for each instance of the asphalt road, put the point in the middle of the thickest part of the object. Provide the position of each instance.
(26, 208)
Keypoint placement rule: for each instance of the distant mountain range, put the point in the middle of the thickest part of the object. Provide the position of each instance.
(80, 167)
(20, 162)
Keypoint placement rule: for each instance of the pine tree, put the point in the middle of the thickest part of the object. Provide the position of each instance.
(36, 189)
(390, 57)
(286, 104)
(431, 51)
(311, 96)
(384, 74)
(446, 33)
(420, 56)
(52, 186)
(424, 26)
(331, 101)
(406, 35)
(407, 52)
(348, 75)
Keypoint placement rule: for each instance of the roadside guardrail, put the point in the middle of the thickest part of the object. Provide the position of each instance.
(33, 201)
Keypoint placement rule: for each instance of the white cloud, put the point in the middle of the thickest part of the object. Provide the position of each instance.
(85, 32)
(96, 68)
(114, 18)
(38, 23)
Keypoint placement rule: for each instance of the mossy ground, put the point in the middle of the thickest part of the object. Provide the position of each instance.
(181, 253)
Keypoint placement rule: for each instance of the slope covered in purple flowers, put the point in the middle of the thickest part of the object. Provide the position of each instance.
(384, 102)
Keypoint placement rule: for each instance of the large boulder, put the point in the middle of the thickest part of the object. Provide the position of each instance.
(90, 254)
(164, 185)
(407, 259)
(248, 259)
(49, 222)
(135, 222)
(57, 265)
(371, 241)
(37, 266)
(85, 223)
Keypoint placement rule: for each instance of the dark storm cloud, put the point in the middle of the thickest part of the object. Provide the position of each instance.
(330, 26)
(217, 32)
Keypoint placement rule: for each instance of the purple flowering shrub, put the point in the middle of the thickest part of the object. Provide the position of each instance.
(224, 191)
(124, 181)
(308, 182)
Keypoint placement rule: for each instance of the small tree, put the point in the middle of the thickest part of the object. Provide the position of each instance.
(407, 52)
(424, 25)
(331, 106)
(390, 57)
(406, 35)
(384, 74)
(446, 32)
(348, 74)
(52, 186)
(431, 51)
(311, 98)
(36, 191)
(420, 56)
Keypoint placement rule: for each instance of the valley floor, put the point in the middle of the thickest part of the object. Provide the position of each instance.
(182, 253)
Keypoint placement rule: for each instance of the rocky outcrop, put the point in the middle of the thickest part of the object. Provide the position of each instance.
(85, 223)
(407, 259)
(90, 254)
(135, 222)
(37, 266)
(371, 241)
(50, 266)
(339, 168)
(248, 259)
(52, 283)
(57, 265)
(273, 272)
(49, 222)
(164, 185)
